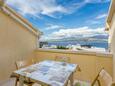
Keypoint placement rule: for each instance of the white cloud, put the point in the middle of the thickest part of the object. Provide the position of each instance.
(96, 1)
(82, 31)
(48, 7)
(101, 16)
(93, 22)
(37, 7)
(96, 19)
(53, 27)
(75, 32)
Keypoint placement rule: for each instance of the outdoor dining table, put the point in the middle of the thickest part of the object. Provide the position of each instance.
(48, 72)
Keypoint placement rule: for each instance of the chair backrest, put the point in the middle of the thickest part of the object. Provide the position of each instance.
(23, 63)
(62, 59)
(104, 76)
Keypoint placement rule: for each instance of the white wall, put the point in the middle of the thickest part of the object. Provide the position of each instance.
(16, 43)
(112, 42)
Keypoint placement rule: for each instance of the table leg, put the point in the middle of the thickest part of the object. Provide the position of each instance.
(71, 80)
(21, 81)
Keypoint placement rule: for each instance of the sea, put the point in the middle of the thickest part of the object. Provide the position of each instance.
(93, 43)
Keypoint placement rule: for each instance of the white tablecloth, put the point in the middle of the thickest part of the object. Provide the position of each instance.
(49, 72)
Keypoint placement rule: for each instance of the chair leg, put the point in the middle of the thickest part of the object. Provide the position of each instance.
(67, 83)
(99, 83)
(16, 82)
(71, 80)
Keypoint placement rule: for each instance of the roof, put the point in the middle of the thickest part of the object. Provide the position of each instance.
(10, 12)
(110, 14)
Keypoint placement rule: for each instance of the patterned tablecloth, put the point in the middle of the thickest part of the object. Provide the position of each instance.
(52, 73)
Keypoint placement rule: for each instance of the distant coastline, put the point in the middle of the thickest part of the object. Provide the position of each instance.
(100, 44)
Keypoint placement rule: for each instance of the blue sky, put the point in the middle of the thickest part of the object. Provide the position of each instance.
(59, 19)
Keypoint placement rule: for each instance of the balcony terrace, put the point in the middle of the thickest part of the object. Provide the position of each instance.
(19, 42)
